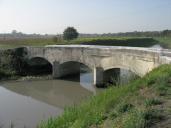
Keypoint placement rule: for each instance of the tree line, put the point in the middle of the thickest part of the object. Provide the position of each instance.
(71, 33)
(164, 33)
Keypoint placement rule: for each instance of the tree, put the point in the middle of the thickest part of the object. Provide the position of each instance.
(70, 33)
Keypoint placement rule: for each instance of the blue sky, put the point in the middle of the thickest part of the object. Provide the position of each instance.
(88, 16)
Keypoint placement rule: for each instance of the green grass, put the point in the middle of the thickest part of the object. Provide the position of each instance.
(153, 101)
(13, 43)
(130, 106)
(114, 41)
(120, 41)
(164, 41)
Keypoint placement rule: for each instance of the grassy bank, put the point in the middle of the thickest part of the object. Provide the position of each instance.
(143, 103)
(114, 41)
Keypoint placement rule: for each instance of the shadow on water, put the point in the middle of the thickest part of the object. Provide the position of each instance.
(73, 77)
(84, 79)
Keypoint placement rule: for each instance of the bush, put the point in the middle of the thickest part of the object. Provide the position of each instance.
(13, 61)
(70, 33)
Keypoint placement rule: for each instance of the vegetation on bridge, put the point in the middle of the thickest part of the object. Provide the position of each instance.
(14, 64)
(143, 103)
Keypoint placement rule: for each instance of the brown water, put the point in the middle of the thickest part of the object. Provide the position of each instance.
(24, 104)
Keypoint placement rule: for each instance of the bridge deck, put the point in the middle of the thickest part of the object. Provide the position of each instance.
(156, 50)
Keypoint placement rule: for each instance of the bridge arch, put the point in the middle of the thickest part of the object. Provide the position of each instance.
(39, 66)
(129, 68)
(65, 68)
(119, 75)
(139, 66)
(76, 60)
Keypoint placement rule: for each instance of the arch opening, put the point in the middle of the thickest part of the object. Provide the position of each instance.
(39, 66)
(73, 71)
(118, 76)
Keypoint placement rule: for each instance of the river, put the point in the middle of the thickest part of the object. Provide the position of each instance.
(24, 104)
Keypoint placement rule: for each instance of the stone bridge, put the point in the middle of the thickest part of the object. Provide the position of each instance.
(100, 58)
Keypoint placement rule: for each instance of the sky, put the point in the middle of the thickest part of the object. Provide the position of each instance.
(87, 16)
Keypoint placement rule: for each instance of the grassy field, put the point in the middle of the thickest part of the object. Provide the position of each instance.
(13, 43)
(144, 103)
(114, 41)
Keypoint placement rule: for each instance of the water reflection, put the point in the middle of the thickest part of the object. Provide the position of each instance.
(23, 111)
(86, 81)
(26, 103)
(58, 93)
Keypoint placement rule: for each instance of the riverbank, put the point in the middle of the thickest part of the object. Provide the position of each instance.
(144, 103)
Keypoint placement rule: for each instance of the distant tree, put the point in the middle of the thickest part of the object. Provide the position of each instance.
(70, 33)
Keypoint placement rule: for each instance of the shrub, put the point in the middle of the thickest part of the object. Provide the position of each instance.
(70, 33)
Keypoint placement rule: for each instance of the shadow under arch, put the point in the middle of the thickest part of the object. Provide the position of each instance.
(39, 66)
(119, 75)
(128, 68)
(71, 70)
